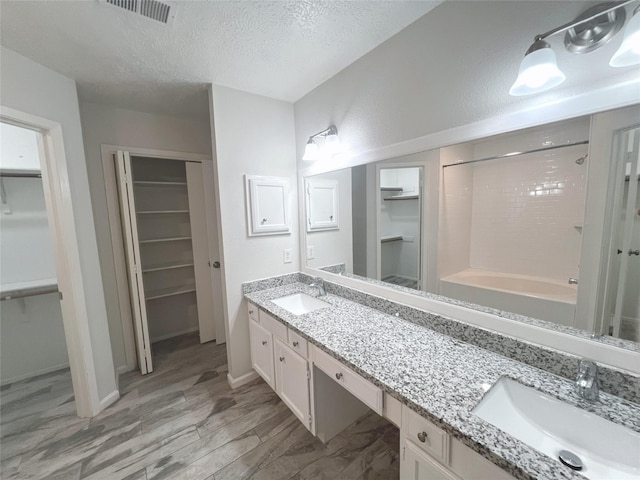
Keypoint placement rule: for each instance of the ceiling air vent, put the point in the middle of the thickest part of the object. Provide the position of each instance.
(153, 9)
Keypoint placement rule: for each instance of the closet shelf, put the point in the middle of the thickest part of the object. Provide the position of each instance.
(391, 189)
(160, 212)
(402, 197)
(169, 292)
(171, 239)
(391, 238)
(147, 183)
(159, 268)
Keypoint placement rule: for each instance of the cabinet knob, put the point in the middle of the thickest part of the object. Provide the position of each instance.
(264, 342)
(264, 220)
(338, 375)
(250, 312)
(295, 344)
(422, 436)
(282, 359)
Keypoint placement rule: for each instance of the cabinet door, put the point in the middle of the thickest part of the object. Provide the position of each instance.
(267, 205)
(322, 205)
(261, 342)
(417, 465)
(292, 382)
(200, 242)
(134, 263)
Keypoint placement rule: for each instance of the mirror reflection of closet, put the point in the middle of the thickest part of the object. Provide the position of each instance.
(622, 299)
(31, 328)
(400, 226)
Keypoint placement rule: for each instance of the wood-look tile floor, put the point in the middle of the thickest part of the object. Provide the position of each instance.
(181, 422)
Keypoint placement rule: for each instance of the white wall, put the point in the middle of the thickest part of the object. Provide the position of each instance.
(451, 67)
(31, 88)
(116, 126)
(253, 135)
(18, 148)
(334, 246)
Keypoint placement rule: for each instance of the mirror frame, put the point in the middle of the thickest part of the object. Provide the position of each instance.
(596, 101)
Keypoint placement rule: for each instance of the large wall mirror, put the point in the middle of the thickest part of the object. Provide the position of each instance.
(535, 225)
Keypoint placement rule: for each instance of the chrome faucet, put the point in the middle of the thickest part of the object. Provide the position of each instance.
(587, 381)
(319, 284)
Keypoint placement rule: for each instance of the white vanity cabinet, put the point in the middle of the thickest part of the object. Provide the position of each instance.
(285, 368)
(261, 343)
(429, 453)
(292, 381)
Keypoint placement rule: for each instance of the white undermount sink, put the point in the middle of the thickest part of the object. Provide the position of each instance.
(607, 450)
(300, 303)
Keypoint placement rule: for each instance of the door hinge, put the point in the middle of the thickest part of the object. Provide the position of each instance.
(403, 456)
(308, 374)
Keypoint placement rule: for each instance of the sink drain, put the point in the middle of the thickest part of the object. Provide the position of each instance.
(570, 459)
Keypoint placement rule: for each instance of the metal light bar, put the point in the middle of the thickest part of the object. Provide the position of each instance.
(328, 131)
(573, 23)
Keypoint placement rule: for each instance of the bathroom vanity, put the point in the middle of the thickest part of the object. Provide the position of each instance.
(331, 363)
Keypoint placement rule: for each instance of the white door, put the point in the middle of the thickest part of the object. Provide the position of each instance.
(261, 344)
(417, 465)
(292, 382)
(214, 251)
(136, 285)
(200, 242)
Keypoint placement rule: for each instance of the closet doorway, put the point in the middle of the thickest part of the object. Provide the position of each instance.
(166, 244)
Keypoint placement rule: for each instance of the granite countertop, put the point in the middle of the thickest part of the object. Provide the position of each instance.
(440, 377)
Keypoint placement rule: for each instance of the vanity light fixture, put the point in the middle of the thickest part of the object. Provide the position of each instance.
(331, 144)
(589, 31)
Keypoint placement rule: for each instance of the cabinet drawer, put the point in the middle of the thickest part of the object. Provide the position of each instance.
(425, 435)
(362, 389)
(297, 343)
(273, 325)
(253, 312)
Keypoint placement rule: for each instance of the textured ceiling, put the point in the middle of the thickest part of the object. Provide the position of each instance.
(280, 49)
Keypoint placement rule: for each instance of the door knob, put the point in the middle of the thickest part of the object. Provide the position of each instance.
(216, 264)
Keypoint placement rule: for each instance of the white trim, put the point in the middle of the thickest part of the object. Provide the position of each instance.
(19, 378)
(55, 180)
(173, 334)
(107, 152)
(242, 379)
(124, 369)
(109, 399)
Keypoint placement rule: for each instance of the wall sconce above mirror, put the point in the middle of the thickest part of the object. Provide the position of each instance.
(591, 30)
(329, 146)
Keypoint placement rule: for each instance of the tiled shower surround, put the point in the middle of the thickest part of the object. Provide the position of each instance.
(614, 381)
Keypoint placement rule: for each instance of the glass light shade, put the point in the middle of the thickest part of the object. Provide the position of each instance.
(311, 151)
(629, 52)
(538, 72)
(332, 144)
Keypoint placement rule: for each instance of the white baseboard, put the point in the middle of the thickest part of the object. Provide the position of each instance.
(173, 334)
(109, 399)
(18, 378)
(241, 380)
(124, 369)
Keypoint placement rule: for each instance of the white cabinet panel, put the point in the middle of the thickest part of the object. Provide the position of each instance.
(292, 381)
(416, 465)
(261, 344)
(267, 205)
(322, 205)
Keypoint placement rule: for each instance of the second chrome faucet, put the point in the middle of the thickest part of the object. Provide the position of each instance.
(587, 381)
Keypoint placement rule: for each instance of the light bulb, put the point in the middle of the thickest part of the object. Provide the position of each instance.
(538, 71)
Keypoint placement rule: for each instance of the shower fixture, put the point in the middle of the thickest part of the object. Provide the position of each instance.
(589, 31)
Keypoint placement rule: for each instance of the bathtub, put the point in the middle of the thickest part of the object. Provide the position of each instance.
(536, 297)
